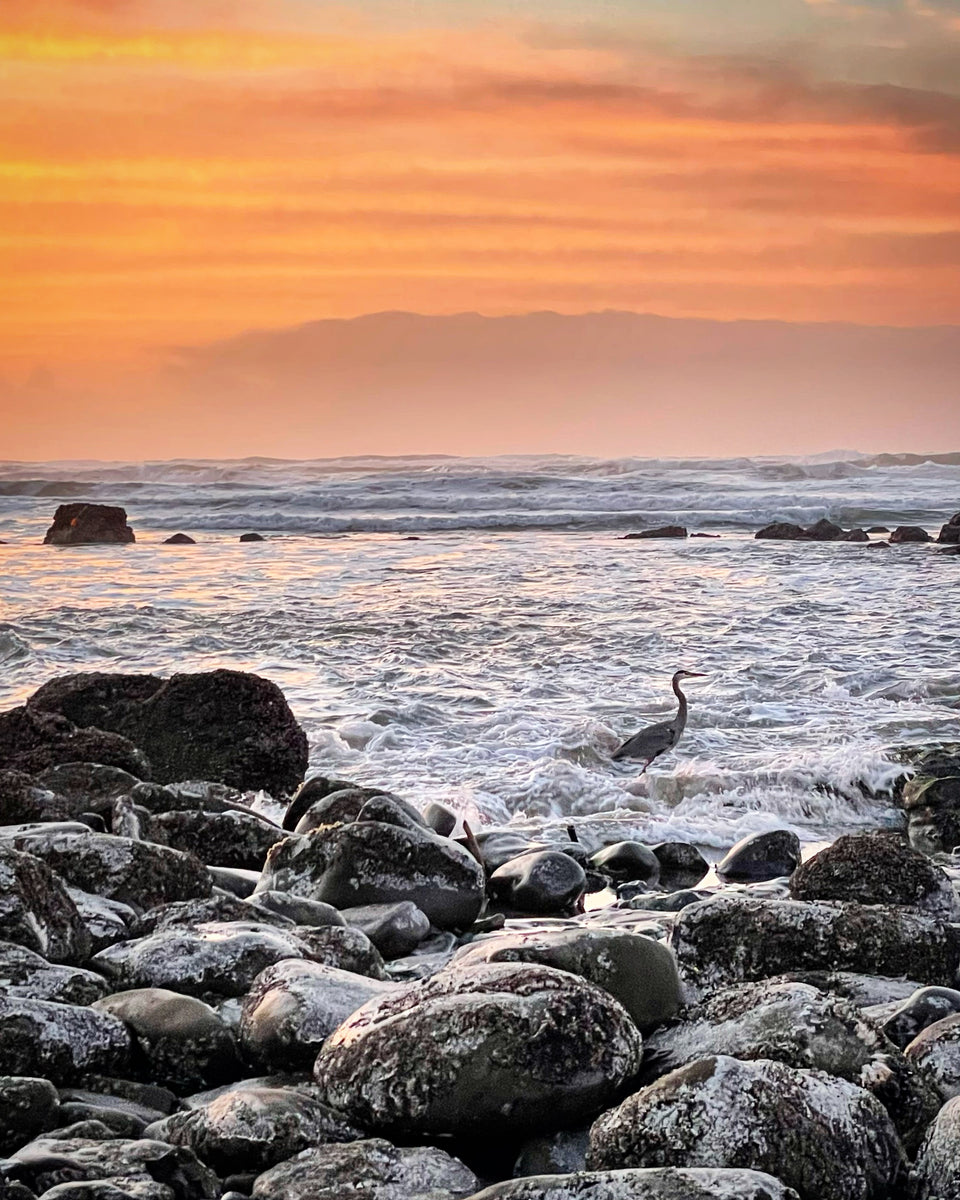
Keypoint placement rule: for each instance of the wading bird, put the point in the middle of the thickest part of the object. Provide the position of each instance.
(657, 739)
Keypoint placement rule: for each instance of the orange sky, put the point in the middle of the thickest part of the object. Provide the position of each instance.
(178, 171)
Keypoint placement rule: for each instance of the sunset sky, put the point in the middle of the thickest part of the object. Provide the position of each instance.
(178, 172)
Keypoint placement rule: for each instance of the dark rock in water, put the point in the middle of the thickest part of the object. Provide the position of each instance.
(310, 792)
(909, 533)
(514, 1049)
(59, 1041)
(228, 726)
(950, 551)
(783, 531)
(854, 535)
(546, 881)
(297, 909)
(142, 1169)
(645, 1183)
(32, 741)
(639, 972)
(706, 535)
(140, 874)
(733, 939)
(294, 1006)
(922, 1009)
(36, 912)
(936, 1173)
(372, 1169)
(761, 856)
(88, 524)
(878, 546)
(627, 862)
(395, 929)
(681, 865)
(440, 818)
(721, 1112)
(659, 901)
(27, 975)
(936, 1051)
(823, 531)
(28, 1106)
(252, 1128)
(950, 533)
(663, 531)
(931, 800)
(374, 863)
(877, 529)
(180, 539)
(184, 1044)
(875, 868)
(228, 839)
(251, 537)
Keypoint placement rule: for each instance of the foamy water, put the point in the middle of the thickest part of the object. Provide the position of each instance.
(496, 661)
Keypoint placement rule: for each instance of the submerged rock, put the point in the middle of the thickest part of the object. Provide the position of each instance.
(513, 1049)
(59, 1041)
(761, 856)
(721, 1112)
(180, 539)
(36, 912)
(782, 531)
(83, 524)
(644, 1183)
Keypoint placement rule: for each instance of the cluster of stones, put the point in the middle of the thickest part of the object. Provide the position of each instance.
(368, 999)
(83, 524)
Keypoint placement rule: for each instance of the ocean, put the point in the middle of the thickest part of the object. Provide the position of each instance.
(477, 631)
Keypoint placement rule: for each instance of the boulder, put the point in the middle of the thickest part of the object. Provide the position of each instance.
(649, 1183)
(782, 531)
(27, 975)
(639, 972)
(36, 912)
(854, 535)
(23, 801)
(59, 1041)
(761, 856)
(733, 939)
(936, 1173)
(180, 539)
(87, 786)
(395, 929)
(826, 1138)
(82, 524)
(371, 862)
(662, 531)
(681, 865)
(875, 868)
(440, 818)
(297, 909)
(931, 799)
(251, 537)
(107, 921)
(824, 531)
(922, 1008)
(342, 947)
(32, 741)
(141, 1169)
(183, 1042)
(950, 533)
(294, 1006)
(936, 1051)
(220, 907)
(312, 791)
(228, 839)
(28, 1106)
(372, 1169)
(514, 1049)
(909, 533)
(249, 1129)
(546, 881)
(627, 862)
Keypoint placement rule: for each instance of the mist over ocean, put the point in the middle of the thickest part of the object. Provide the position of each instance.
(475, 631)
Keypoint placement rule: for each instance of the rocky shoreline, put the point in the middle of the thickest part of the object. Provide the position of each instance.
(367, 999)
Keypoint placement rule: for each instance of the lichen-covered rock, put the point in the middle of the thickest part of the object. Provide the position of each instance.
(561, 1153)
(371, 862)
(184, 1042)
(936, 1050)
(514, 1048)
(297, 909)
(639, 972)
(252, 1128)
(36, 912)
(227, 839)
(825, 1137)
(875, 868)
(863, 991)
(342, 947)
(931, 799)
(936, 1173)
(760, 856)
(733, 939)
(136, 1166)
(59, 1041)
(81, 523)
(136, 873)
(86, 786)
(546, 881)
(395, 929)
(31, 741)
(107, 921)
(294, 1006)
(649, 1183)
(23, 800)
(922, 1008)
(372, 1169)
(28, 1106)
(27, 975)
(186, 914)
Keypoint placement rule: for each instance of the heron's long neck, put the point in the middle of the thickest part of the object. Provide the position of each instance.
(682, 710)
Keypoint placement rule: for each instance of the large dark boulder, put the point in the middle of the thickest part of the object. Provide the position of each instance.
(931, 799)
(83, 524)
(824, 531)
(32, 741)
(23, 800)
(909, 533)
(228, 726)
(783, 531)
(226, 839)
(59, 1042)
(950, 533)
(36, 912)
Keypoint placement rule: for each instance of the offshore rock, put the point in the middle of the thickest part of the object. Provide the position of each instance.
(36, 912)
(722, 1112)
(514, 1049)
(88, 524)
(950, 533)
(782, 531)
(936, 1174)
(636, 970)
(373, 1169)
(662, 531)
(59, 1041)
(228, 839)
(649, 1183)
(180, 539)
(140, 1168)
(32, 741)
(761, 856)
(28, 1106)
(824, 531)
(909, 533)
(27, 975)
(544, 882)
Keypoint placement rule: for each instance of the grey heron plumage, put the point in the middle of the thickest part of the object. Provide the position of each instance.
(655, 740)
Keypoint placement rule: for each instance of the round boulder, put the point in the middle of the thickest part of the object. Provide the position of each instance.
(761, 856)
(544, 882)
(627, 862)
(61, 1042)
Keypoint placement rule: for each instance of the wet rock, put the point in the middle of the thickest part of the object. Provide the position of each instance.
(83, 524)
(139, 1168)
(440, 818)
(220, 907)
(297, 909)
(659, 901)
(391, 810)
(731, 939)
(546, 881)
(342, 947)
(662, 531)
(936, 1050)
(371, 862)
(59, 1041)
(936, 1174)
(782, 531)
(824, 531)
(499, 846)
(395, 929)
(761, 856)
(312, 791)
(950, 533)
(514, 1049)
(877, 529)
(922, 1008)
(22, 801)
(909, 533)
(125, 1117)
(28, 1106)
(253, 1128)
(32, 741)
(636, 970)
(931, 800)
(652, 1183)
(681, 865)
(373, 1169)
(627, 862)
(184, 1044)
(251, 537)
(140, 874)
(875, 868)
(36, 912)
(560, 1153)
(25, 974)
(180, 539)
(229, 839)
(854, 535)
(293, 1006)
(721, 1112)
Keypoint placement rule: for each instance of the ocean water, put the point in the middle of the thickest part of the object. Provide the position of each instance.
(477, 631)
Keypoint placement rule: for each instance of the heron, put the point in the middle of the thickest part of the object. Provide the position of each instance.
(655, 740)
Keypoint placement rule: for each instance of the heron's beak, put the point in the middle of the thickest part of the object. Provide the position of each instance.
(697, 674)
